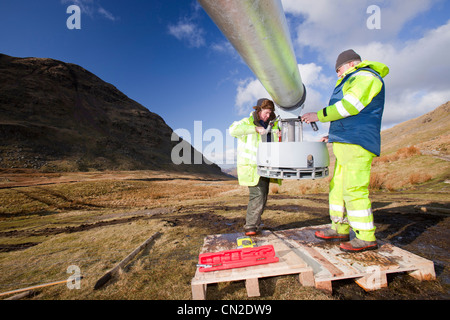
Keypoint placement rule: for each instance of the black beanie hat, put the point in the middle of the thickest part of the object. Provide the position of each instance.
(346, 57)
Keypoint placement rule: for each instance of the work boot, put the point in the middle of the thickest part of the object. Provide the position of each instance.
(358, 245)
(250, 231)
(331, 235)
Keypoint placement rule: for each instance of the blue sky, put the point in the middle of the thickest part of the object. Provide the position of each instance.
(171, 58)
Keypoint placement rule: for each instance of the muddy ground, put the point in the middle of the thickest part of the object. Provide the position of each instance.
(405, 226)
(416, 221)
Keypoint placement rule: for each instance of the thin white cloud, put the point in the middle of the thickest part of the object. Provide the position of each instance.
(91, 8)
(188, 28)
(188, 31)
(108, 15)
(313, 76)
(248, 93)
(224, 47)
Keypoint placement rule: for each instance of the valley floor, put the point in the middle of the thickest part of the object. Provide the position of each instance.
(52, 224)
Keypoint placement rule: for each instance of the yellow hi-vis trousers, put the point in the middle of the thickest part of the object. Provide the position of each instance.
(349, 191)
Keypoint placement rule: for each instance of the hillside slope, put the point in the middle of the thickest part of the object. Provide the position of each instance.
(57, 116)
(430, 133)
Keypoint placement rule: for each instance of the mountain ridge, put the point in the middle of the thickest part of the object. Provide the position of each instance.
(58, 116)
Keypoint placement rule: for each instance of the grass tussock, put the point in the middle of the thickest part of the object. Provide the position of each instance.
(402, 153)
(406, 168)
(419, 177)
(377, 181)
(274, 189)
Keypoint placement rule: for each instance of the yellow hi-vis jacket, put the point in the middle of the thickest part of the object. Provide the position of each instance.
(247, 148)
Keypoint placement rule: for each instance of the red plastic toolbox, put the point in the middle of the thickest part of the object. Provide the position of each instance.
(236, 258)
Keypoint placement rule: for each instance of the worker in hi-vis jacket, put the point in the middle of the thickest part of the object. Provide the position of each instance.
(250, 132)
(354, 112)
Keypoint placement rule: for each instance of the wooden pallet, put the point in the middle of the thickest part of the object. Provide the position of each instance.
(317, 262)
(369, 269)
(289, 263)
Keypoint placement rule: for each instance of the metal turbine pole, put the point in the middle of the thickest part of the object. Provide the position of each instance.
(258, 31)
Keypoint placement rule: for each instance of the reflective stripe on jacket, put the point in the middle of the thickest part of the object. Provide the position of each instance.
(356, 107)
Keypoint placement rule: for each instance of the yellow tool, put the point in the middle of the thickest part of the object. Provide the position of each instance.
(245, 242)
